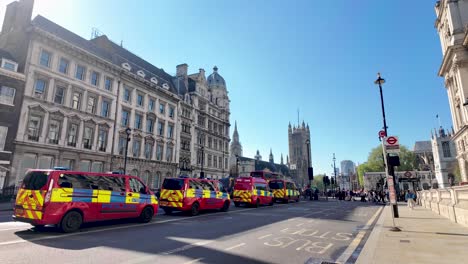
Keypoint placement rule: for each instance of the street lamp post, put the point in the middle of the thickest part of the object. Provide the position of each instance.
(379, 82)
(202, 173)
(334, 168)
(128, 131)
(237, 166)
(309, 165)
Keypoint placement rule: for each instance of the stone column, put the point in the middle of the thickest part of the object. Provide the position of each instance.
(95, 137)
(79, 135)
(45, 128)
(63, 133)
(50, 90)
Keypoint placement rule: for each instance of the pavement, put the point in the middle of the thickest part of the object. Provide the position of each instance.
(306, 232)
(425, 237)
(6, 206)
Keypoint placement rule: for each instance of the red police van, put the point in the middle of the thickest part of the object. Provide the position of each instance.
(69, 198)
(192, 195)
(252, 191)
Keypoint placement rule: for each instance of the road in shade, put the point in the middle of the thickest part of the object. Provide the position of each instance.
(304, 232)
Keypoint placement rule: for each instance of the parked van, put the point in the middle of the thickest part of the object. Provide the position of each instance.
(69, 198)
(252, 191)
(193, 195)
(284, 190)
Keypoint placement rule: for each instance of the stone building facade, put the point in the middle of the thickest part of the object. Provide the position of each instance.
(206, 98)
(299, 152)
(452, 18)
(444, 153)
(11, 99)
(80, 96)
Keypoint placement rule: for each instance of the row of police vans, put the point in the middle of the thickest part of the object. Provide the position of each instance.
(68, 199)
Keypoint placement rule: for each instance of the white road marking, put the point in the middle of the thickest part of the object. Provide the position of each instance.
(357, 240)
(193, 261)
(265, 236)
(121, 227)
(300, 224)
(187, 247)
(236, 246)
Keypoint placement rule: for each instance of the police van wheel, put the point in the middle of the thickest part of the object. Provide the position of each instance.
(271, 203)
(167, 211)
(195, 209)
(71, 222)
(236, 204)
(225, 207)
(146, 215)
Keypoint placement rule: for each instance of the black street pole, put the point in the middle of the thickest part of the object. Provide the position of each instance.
(309, 168)
(237, 166)
(391, 170)
(334, 170)
(127, 131)
(202, 173)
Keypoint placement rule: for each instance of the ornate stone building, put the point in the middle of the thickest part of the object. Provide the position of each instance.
(452, 18)
(444, 154)
(298, 152)
(208, 103)
(80, 95)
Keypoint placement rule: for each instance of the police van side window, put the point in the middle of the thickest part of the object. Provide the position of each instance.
(260, 186)
(193, 184)
(208, 186)
(77, 181)
(137, 186)
(115, 184)
(221, 187)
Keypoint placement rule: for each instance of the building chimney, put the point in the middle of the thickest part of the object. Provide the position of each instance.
(181, 70)
(17, 15)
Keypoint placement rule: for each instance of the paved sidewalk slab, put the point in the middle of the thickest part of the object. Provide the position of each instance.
(6, 206)
(425, 238)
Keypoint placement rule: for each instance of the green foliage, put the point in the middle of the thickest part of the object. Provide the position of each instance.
(375, 162)
(318, 182)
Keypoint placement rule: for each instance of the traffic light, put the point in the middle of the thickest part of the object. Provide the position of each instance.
(326, 180)
(333, 181)
(310, 172)
(394, 160)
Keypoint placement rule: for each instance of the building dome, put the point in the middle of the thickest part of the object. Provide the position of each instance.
(215, 79)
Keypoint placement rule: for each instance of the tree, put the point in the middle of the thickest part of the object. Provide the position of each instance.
(318, 182)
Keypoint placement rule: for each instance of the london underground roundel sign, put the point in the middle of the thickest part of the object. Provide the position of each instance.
(392, 141)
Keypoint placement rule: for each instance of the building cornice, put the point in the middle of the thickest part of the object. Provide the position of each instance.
(15, 75)
(460, 132)
(448, 60)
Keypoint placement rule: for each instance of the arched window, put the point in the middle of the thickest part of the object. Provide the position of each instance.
(158, 180)
(145, 177)
(446, 149)
(134, 172)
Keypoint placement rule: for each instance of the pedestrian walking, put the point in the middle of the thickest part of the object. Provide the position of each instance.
(410, 198)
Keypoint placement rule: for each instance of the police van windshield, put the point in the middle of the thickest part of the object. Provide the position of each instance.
(276, 185)
(173, 184)
(35, 180)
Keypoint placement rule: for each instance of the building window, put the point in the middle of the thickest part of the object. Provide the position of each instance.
(59, 94)
(105, 108)
(148, 150)
(54, 131)
(80, 72)
(151, 105)
(215, 161)
(140, 100)
(160, 128)
(149, 125)
(159, 152)
(169, 153)
(446, 149)
(88, 138)
(215, 142)
(136, 147)
(170, 131)
(91, 106)
(72, 134)
(225, 163)
(7, 95)
(9, 65)
(95, 78)
(34, 127)
(3, 135)
(122, 144)
(138, 119)
(45, 58)
(96, 167)
(102, 139)
(85, 165)
(63, 65)
(171, 111)
(40, 87)
(76, 100)
(125, 118)
(108, 83)
(127, 95)
(220, 162)
(210, 143)
(209, 160)
(162, 108)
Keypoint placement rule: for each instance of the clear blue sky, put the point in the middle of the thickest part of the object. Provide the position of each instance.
(277, 56)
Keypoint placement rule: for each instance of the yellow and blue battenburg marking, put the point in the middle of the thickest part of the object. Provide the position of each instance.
(99, 196)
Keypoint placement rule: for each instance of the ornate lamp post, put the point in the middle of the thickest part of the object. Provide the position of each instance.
(128, 131)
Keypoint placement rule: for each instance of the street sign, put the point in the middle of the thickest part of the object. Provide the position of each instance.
(391, 190)
(382, 134)
(392, 145)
